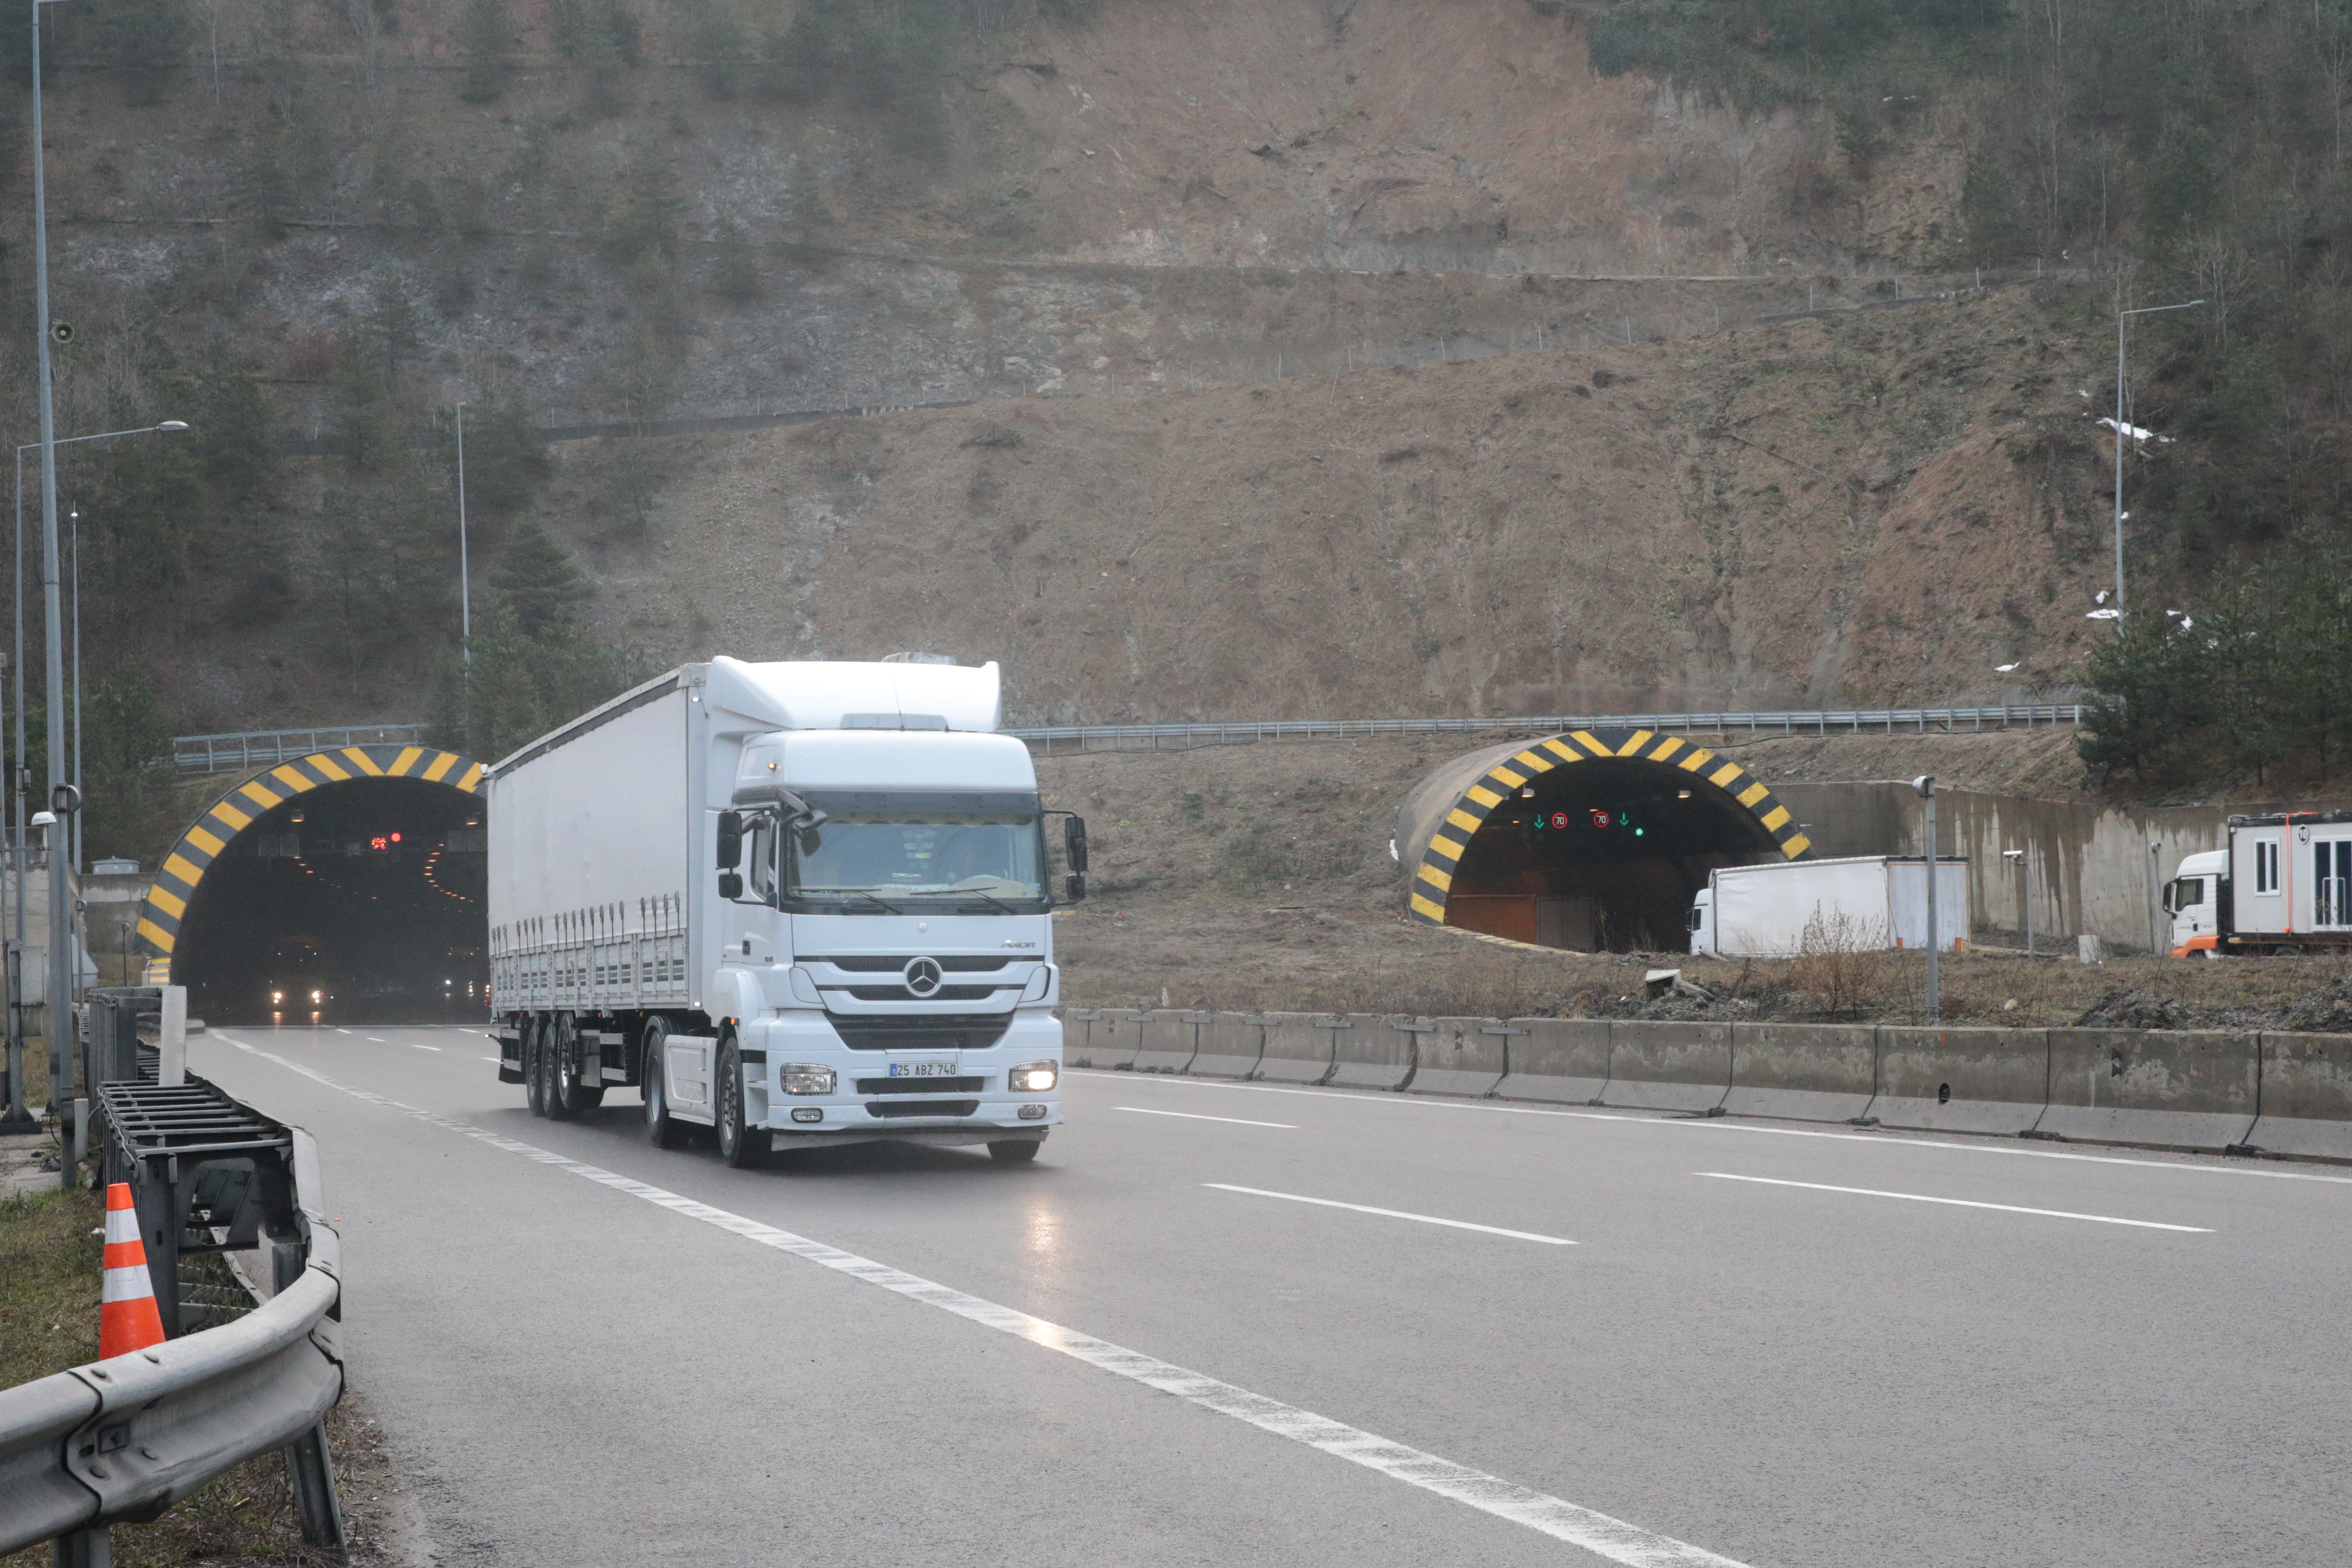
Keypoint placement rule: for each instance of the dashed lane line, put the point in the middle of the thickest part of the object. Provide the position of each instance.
(1192, 1116)
(1893, 1139)
(1598, 1533)
(1392, 1214)
(1956, 1202)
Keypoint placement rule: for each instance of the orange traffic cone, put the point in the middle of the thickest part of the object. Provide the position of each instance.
(127, 1319)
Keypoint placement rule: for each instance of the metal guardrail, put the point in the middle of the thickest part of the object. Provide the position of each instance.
(123, 1439)
(193, 754)
(1057, 739)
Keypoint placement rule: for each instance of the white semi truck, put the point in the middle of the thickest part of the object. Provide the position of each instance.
(2283, 885)
(1855, 905)
(799, 903)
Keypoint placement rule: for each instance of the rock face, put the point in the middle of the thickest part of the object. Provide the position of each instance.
(1838, 511)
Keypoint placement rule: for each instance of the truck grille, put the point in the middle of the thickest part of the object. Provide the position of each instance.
(900, 993)
(938, 1032)
(923, 1108)
(921, 1085)
(868, 964)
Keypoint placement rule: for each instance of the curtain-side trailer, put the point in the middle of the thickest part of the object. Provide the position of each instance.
(1854, 904)
(2283, 885)
(799, 903)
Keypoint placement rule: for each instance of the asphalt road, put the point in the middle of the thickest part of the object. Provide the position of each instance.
(1751, 1338)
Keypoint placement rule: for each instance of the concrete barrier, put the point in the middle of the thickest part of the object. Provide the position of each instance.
(1078, 1036)
(1563, 1061)
(1665, 1066)
(1113, 1037)
(1298, 1048)
(1463, 1056)
(1962, 1080)
(1229, 1045)
(1372, 1053)
(2185, 1088)
(2306, 1096)
(1808, 1072)
(1164, 1041)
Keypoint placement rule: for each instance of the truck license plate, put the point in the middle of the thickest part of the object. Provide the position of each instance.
(935, 1066)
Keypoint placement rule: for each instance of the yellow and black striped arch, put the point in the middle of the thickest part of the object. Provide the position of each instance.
(1433, 875)
(193, 855)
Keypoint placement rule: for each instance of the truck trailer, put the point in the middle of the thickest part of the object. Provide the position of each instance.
(1860, 904)
(2284, 884)
(799, 903)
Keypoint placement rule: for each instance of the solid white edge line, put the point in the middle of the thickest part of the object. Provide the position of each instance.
(1392, 1214)
(1598, 1533)
(1194, 1116)
(1892, 1138)
(1956, 1202)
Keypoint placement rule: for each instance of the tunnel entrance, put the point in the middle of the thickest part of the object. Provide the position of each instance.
(1594, 841)
(349, 898)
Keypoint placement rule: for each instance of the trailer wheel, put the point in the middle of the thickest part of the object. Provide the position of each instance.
(534, 1057)
(1016, 1151)
(568, 1098)
(738, 1145)
(662, 1131)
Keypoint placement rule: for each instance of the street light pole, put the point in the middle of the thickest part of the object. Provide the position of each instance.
(2120, 317)
(1926, 784)
(57, 998)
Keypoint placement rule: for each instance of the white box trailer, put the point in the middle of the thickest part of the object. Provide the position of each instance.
(800, 903)
(1858, 904)
(2283, 885)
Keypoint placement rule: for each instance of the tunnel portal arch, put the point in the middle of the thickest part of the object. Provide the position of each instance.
(1590, 839)
(255, 828)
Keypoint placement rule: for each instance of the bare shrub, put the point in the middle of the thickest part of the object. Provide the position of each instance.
(1842, 968)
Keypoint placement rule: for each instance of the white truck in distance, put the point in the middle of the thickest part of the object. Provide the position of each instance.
(1855, 905)
(799, 903)
(2284, 885)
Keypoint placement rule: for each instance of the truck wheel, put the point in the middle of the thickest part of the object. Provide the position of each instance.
(568, 1097)
(662, 1131)
(533, 1056)
(738, 1145)
(1016, 1151)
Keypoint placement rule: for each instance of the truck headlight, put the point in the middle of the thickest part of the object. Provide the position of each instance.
(805, 1077)
(1034, 1078)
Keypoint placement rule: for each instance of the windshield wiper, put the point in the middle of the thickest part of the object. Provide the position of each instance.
(989, 898)
(861, 893)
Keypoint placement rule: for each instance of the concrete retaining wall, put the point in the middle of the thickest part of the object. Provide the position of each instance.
(2187, 1088)
(1297, 1050)
(2281, 1093)
(1562, 1060)
(1813, 1073)
(1230, 1046)
(1371, 1052)
(1462, 1056)
(1668, 1066)
(1962, 1080)
(1164, 1041)
(2306, 1096)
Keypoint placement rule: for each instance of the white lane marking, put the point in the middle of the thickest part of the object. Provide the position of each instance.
(494, 1059)
(1190, 1116)
(1958, 1202)
(1598, 1533)
(1893, 1138)
(1392, 1214)
(413, 1045)
(378, 1039)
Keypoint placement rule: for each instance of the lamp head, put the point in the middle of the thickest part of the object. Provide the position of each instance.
(1926, 785)
(173, 425)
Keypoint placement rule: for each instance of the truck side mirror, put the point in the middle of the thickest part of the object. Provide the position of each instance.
(731, 841)
(731, 884)
(1074, 888)
(1073, 845)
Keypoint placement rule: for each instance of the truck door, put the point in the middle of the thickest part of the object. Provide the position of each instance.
(2331, 883)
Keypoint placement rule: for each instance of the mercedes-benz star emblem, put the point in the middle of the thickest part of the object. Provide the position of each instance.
(923, 976)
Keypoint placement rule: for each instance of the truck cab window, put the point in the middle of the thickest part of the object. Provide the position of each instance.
(763, 867)
(907, 845)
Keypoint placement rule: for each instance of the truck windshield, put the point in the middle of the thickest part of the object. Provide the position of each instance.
(901, 845)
